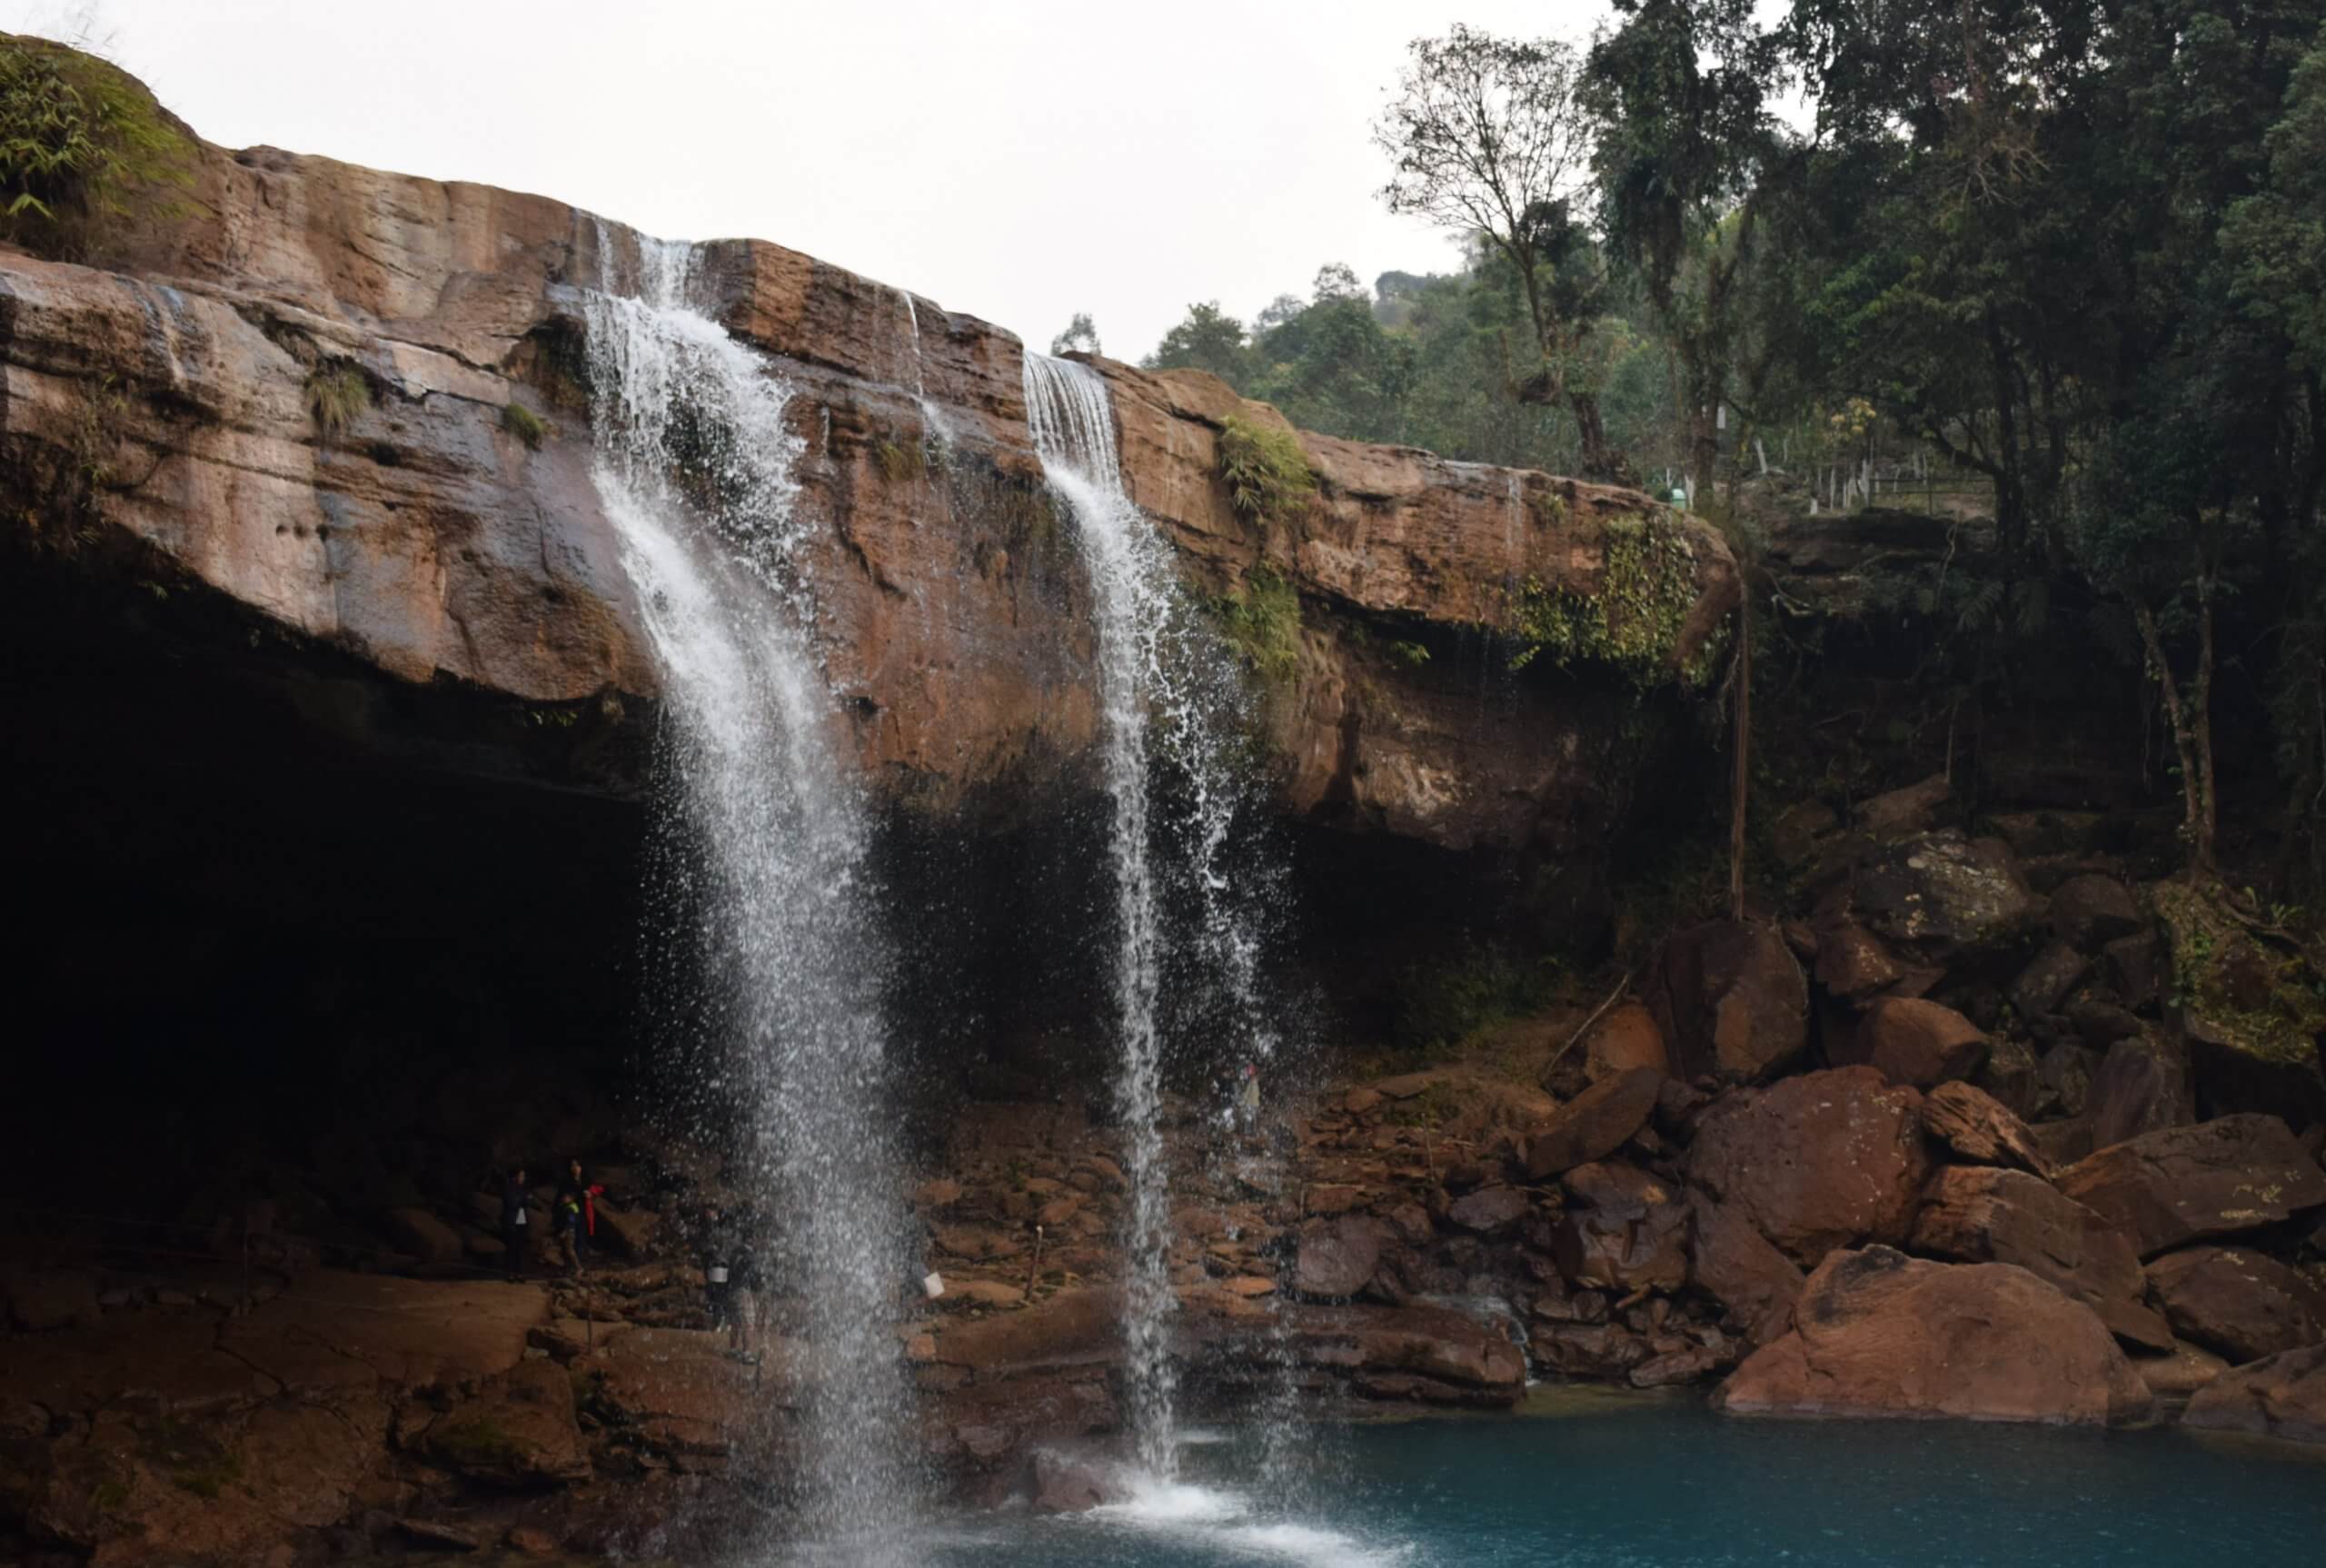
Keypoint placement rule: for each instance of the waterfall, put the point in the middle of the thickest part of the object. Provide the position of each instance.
(934, 426)
(694, 468)
(1168, 699)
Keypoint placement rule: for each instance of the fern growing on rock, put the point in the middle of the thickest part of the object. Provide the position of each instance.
(1266, 472)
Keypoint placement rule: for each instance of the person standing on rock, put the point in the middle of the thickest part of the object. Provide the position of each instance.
(715, 1250)
(516, 1229)
(577, 1214)
(1248, 1097)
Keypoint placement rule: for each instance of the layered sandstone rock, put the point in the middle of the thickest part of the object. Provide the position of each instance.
(431, 579)
(1984, 1213)
(2180, 1184)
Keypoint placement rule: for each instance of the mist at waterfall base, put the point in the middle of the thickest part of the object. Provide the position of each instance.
(765, 879)
(1620, 1481)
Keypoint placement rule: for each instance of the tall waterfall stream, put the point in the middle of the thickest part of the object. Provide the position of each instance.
(693, 465)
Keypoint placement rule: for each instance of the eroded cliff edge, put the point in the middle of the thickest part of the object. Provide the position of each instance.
(433, 574)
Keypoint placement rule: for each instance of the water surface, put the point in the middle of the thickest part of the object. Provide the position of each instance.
(1622, 1482)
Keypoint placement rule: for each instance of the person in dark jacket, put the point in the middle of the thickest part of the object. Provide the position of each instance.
(516, 1224)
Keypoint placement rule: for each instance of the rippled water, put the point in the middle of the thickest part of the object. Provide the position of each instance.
(1622, 1482)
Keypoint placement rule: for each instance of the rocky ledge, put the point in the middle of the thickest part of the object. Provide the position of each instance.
(424, 565)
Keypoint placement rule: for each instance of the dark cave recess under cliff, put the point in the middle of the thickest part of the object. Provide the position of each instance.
(252, 948)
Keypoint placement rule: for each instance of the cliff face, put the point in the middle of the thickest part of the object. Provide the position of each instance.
(424, 570)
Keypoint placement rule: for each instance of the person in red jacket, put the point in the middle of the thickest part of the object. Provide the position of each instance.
(576, 1211)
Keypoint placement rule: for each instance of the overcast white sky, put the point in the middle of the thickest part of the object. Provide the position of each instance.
(1019, 160)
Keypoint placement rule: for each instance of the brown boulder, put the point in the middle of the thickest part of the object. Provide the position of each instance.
(1596, 1350)
(1624, 1041)
(1072, 1328)
(2238, 1302)
(2130, 965)
(1434, 1343)
(1675, 1366)
(2010, 1074)
(1909, 1040)
(1816, 1162)
(1879, 1334)
(1730, 999)
(1983, 1213)
(1072, 1483)
(1733, 1263)
(1594, 1124)
(2281, 1396)
(1337, 1257)
(1976, 1128)
(1852, 962)
(1942, 894)
(2181, 1372)
(1907, 811)
(2047, 979)
(2165, 1189)
(1489, 1209)
(2141, 1087)
(518, 1432)
(2090, 911)
(1628, 1230)
(628, 1232)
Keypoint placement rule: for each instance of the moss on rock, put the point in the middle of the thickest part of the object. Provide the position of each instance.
(2265, 999)
(1635, 621)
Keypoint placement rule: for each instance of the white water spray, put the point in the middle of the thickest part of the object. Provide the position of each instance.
(694, 468)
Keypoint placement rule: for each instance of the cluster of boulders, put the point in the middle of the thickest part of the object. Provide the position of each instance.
(1957, 1140)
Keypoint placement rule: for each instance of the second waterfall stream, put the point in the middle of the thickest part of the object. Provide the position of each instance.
(1169, 697)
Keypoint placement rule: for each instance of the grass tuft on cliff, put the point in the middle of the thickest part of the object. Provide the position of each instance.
(1262, 621)
(81, 143)
(337, 396)
(1266, 472)
(525, 425)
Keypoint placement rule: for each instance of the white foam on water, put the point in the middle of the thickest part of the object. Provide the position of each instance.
(1154, 1501)
(1214, 1520)
(1314, 1547)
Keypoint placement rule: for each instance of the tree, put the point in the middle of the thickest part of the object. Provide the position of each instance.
(1079, 337)
(1687, 156)
(1489, 136)
(1209, 339)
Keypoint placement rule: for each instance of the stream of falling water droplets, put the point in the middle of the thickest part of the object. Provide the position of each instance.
(1166, 691)
(693, 466)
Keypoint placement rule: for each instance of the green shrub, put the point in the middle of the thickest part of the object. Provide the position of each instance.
(337, 396)
(80, 141)
(1647, 588)
(524, 425)
(1266, 472)
(1439, 1005)
(1262, 620)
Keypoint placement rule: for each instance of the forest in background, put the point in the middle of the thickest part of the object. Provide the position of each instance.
(2069, 254)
